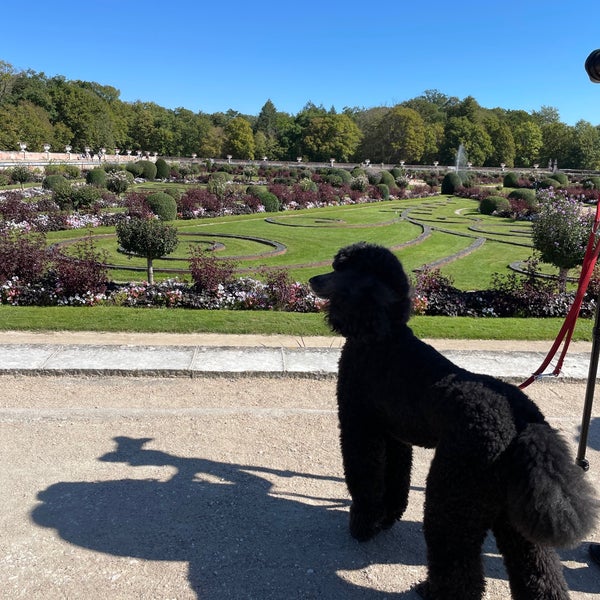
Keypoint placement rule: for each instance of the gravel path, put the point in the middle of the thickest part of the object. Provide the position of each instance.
(209, 488)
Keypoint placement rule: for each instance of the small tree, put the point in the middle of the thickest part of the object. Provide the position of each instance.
(149, 238)
(561, 231)
(20, 174)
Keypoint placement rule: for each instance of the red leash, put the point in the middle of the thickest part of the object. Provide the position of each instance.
(566, 332)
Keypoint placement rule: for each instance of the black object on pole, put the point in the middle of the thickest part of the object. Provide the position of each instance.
(592, 66)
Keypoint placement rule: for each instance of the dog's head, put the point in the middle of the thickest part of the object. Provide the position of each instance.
(368, 292)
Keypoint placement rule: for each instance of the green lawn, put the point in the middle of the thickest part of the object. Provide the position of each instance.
(311, 238)
(174, 320)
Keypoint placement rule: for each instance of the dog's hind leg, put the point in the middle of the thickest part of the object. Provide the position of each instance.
(458, 514)
(534, 571)
(398, 465)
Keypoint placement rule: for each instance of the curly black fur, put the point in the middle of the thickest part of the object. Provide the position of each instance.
(498, 465)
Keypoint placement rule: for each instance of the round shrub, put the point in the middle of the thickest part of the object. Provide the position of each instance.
(494, 204)
(71, 171)
(343, 174)
(334, 180)
(162, 205)
(549, 182)
(96, 177)
(374, 176)
(388, 179)
(511, 180)
(119, 181)
(162, 168)
(84, 195)
(561, 178)
(135, 168)
(450, 183)
(62, 194)
(269, 200)
(51, 181)
(384, 190)
(148, 169)
(173, 192)
(526, 194)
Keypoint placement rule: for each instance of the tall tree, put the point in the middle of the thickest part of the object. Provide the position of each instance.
(402, 132)
(331, 136)
(528, 143)
(239, 140)
(473, 137)
(587, 146)
(558, 144)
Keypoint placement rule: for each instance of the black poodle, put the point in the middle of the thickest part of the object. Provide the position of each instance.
(498, 464)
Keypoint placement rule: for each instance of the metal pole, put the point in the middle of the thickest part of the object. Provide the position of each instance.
(589, 392)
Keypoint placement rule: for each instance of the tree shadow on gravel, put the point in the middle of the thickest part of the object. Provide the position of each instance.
(240, 538)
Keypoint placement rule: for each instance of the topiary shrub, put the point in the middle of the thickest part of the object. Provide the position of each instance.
(135, 168)
(345, 175)
(51, 181)
(374, 176)
(119, 181)
(269, 200)
(549, 182)
(96, 177)
(162, 205)
(511, 180)
(450, 183)
(163, 171)
(62, 194)
(526, 194)
(84, 195)
(388, 179)
(494, 204)
(561, 178)
(21, 174)
(384, 190)
(148, 169)
(523, 202)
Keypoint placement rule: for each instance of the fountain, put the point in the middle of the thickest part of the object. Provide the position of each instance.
(461, 161)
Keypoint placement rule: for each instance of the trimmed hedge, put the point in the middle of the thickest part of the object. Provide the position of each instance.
(163, 171)
(450, 183)
(162, 205)
(511, 180)
(494, 204)
(96, 177)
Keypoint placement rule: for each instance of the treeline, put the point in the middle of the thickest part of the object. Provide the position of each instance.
(37, 110)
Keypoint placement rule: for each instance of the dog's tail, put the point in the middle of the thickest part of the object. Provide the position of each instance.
(550, 500)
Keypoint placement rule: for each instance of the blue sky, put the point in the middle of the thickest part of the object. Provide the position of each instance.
(215, 56)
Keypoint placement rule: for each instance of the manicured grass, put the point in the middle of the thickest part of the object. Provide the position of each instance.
(312, 237)
(100, 318)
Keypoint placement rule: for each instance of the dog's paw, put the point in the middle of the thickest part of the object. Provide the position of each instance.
(390, 518)
(363, 526)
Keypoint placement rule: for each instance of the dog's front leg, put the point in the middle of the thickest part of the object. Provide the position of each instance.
(364, 455)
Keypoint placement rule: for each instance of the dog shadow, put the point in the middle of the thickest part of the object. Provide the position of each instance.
(240, 533)
(240, 529)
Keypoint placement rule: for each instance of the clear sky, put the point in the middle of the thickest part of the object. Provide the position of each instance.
(214, 56)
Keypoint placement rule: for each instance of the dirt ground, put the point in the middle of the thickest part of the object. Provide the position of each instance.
(211, 488)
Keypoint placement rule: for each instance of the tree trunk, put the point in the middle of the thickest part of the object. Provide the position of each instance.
(562, 279)
(150, 272)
